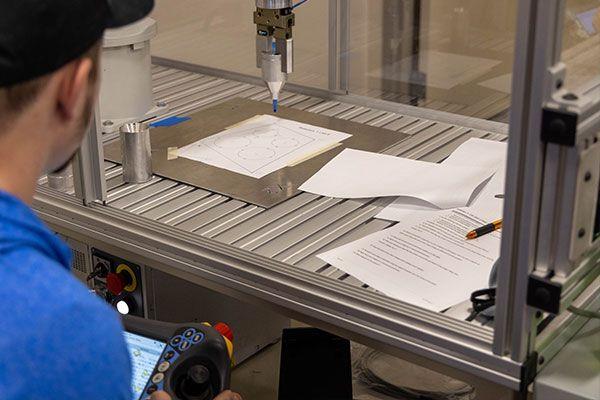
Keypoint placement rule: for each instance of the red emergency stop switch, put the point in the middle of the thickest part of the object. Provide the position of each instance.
(116, 283)
(224, 330)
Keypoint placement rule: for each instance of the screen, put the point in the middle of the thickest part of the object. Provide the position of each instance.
(144, 353)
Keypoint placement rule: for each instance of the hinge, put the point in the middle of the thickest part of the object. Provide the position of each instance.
(559, 127)
(544, 294)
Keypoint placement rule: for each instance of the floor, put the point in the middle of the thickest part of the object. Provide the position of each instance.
(258, 378)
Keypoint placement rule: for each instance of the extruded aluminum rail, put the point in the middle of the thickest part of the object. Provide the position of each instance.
(367, 316)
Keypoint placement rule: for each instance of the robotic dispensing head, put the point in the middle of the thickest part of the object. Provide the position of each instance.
(274, 21)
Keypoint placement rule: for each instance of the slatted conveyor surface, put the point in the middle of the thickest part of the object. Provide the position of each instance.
(299, 228)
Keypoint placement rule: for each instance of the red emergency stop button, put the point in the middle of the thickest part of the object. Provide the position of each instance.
(115, 283)
(224, 330)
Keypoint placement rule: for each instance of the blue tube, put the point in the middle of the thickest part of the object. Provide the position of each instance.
(299, 4)
(275, 105)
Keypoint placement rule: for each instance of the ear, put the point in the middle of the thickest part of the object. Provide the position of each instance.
(73, 89)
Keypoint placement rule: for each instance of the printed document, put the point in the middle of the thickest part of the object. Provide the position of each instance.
(424, 260)
(262, 145)
(362, 174)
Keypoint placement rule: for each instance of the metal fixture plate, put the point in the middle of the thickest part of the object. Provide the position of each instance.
(271, 189)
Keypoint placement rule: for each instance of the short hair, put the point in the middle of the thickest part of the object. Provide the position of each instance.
(16, 98)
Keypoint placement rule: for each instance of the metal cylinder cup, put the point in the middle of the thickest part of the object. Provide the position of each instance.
(62, 180)
(137, 152)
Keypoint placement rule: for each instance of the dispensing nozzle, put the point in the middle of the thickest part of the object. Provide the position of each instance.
(273, 77)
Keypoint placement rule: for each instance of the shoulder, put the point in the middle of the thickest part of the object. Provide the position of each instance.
(84, 342)
(70, 342)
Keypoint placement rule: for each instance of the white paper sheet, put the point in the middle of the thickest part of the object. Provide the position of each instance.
(361, 174)
(490, 201)
(262, 145)
(474, 152)
(424, 260)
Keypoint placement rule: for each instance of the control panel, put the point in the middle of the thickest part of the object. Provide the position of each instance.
(118, 281)
(194, 364)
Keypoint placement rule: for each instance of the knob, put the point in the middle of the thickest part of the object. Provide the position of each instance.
(100, 271)
(196, 384)
(116, 282)
(199, 374)
(224, 330)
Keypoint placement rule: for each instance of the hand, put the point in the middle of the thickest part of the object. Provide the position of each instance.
(226, 395)
(160, 396)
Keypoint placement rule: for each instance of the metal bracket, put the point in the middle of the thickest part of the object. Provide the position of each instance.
(528, 372)
(559, 127)
(544, 294)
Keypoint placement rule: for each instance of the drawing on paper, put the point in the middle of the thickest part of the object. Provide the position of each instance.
(261, 145)
(256, 148)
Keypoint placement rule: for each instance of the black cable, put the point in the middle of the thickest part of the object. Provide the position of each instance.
(365, 375)
(482, 300)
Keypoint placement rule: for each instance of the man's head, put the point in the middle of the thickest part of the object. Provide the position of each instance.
(60, 103)
(49, 75)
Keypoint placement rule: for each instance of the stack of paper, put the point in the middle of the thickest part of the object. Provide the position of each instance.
(361, 174)
(474, 153)
(425, 259)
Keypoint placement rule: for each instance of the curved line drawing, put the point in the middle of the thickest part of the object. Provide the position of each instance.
(285, 142)
(232, 142)
(256, 153)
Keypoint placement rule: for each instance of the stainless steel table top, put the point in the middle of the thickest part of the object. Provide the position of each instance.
(298, 229)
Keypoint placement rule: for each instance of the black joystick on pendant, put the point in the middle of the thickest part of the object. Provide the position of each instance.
(196, 384)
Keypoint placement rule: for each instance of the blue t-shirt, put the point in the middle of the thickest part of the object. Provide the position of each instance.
(57, 341)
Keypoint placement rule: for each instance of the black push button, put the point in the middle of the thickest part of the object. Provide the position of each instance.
(152, 389)
(176, 340)
(197, 337)
(189, 333)
(169, 354)
(184, 346)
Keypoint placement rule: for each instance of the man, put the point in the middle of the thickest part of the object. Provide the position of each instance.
(57, 341)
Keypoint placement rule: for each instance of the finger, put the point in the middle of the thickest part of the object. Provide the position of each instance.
(160, 396)
(228, 395)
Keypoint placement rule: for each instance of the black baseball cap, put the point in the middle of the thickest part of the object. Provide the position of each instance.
(38, 37)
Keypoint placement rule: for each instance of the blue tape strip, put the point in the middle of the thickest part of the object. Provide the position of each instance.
(171, 121)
